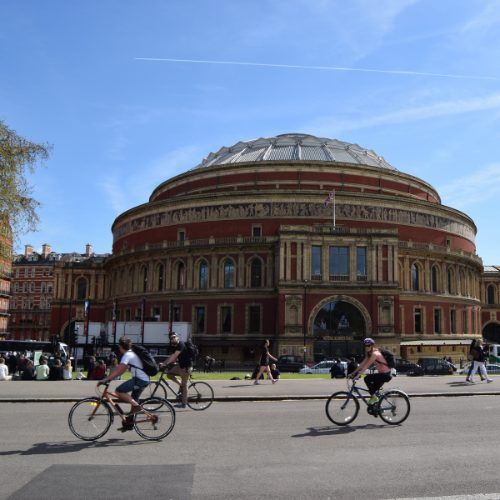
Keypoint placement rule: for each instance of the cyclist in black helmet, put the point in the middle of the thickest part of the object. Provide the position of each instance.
(373, 381)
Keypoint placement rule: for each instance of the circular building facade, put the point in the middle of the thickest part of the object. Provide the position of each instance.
(313, 243)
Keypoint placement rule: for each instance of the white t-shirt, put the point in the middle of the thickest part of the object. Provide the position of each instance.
(131, 358)
(4, 371)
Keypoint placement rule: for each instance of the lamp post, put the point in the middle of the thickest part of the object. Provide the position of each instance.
(304, 320)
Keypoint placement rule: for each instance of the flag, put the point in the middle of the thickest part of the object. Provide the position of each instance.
(330, 198)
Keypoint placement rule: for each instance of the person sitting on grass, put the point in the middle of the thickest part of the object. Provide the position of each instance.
(4, 370)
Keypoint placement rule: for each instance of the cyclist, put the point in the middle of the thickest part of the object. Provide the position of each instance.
(182, 368)
(135, 385)
(373, 381)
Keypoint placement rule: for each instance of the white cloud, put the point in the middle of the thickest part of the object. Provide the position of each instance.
(124, 192)
(487, 18)
(480, 187)
(335, 125)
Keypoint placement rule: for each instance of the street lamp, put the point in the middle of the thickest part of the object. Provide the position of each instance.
(304, 319)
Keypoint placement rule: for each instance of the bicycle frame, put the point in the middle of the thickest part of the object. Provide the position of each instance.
(163, 379)
(355, 389)
(107, 398)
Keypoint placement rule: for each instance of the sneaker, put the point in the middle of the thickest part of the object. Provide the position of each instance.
(470, 381)
(275, 380)
(373, 400)
(180, 405)
(256, 383)
(488, 380)
(126, 426)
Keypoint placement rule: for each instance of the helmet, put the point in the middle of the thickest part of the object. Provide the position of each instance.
(368, 341)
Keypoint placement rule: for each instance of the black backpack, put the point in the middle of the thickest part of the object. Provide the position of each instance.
(192, 350)
(149, 366)
(389, 358)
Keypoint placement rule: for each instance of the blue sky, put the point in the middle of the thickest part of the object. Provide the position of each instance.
(120, 125)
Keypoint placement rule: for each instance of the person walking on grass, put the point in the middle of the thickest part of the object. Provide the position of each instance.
(265, 356)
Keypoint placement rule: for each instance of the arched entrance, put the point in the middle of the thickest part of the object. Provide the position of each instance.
(338, 328)
(491, 333)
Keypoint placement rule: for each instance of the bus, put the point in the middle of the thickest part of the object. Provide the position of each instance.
(34, 349)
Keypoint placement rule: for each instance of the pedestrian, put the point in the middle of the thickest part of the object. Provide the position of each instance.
(351, 366)
(42, 370)
(478, 363)
(90, 374)
(275, 372)
(99, 371)
(29, 371)
(265, 356)
(4, 370)
(56, 371)
(68, 370)
(12, 363)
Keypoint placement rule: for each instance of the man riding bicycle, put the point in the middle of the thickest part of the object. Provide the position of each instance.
(374, 381)
(182, 368)
(135, 385)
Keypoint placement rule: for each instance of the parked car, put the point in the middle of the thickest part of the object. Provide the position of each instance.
(408, 367)
(436, 366)
(322, 367)
(289, 363)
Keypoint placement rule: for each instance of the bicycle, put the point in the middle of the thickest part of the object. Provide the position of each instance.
(200, 394)
(342, 407)
(90, 418)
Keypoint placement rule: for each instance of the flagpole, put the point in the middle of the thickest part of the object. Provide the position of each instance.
(333, 208)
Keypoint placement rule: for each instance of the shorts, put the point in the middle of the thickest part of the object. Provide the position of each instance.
(134, 385)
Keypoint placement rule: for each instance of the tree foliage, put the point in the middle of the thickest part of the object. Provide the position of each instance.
(18, 158)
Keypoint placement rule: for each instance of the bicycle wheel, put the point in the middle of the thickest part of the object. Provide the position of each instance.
(200, 396)
(90, 418)
(153, 391)
(155, 424)
(394, 407)
(342, 408)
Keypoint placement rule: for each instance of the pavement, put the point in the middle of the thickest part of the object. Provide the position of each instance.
(245, 390)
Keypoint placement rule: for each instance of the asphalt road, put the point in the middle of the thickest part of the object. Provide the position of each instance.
(273, 450)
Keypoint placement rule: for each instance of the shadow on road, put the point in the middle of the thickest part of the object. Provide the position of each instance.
(69, 447)
(332, 431)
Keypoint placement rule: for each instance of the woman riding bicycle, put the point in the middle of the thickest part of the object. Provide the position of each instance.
(373, 381)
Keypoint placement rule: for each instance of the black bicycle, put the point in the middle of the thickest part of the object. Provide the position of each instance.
(200, 394)
(342, 407)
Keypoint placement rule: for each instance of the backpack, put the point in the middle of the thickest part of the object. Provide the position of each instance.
(148, 362)
(389, 358)
(192, 350)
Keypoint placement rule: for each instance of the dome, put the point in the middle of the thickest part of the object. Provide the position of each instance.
(295, 147)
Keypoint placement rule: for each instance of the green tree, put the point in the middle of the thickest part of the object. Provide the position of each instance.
(18, 158)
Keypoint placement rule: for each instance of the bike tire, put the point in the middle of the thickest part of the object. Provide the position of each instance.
(153, 391)
(394, 407)
(165, 419)
(200, 396)
(342, 408)
(90, 418)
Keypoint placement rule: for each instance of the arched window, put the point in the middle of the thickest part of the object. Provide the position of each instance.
(415, 277)
(144, 279)
(434, 279)
(228, 273)
(81, 289)
(181, 276)
(160, 270)
(203, 276)
(131, 280)
(450, 276)
(491, 294)
(256, 273)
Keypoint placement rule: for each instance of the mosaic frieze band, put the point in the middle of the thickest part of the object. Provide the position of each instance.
(282, 209)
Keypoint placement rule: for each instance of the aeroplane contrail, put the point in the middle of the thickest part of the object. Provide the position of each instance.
(323, 68)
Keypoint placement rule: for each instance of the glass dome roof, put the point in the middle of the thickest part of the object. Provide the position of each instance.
(295, 147)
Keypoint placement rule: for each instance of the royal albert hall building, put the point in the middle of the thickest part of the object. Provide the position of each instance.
(309, 242)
